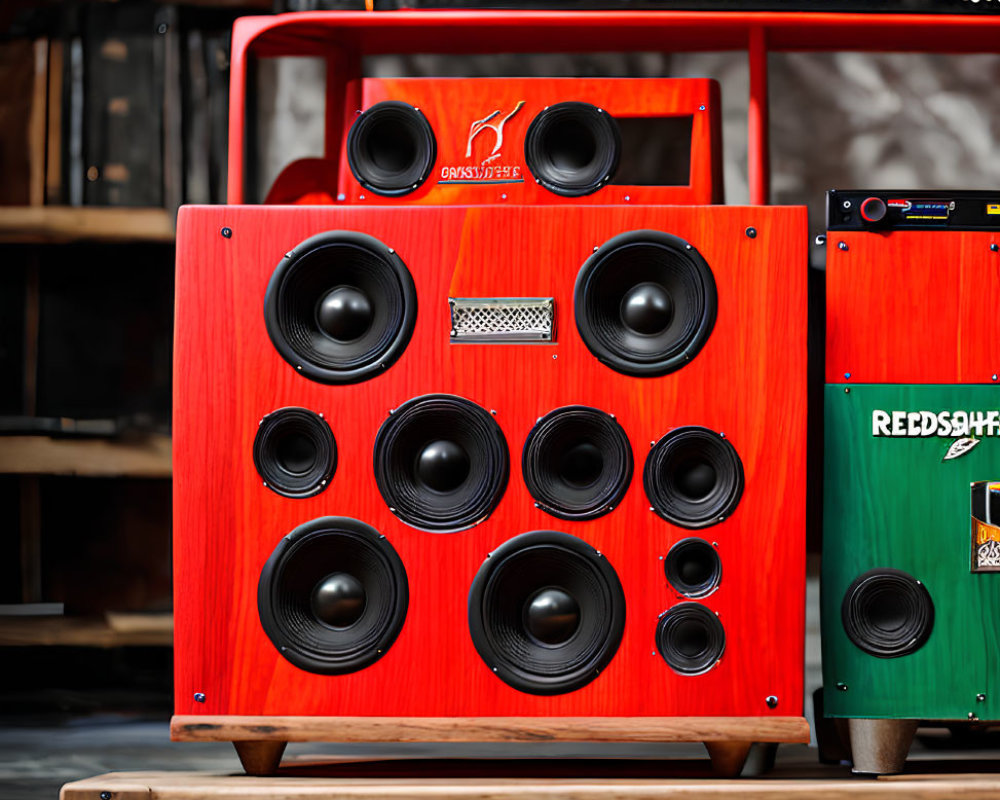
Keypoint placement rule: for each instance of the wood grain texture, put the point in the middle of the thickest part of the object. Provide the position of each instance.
(259, 758)
(196, 728)
(452, 105)
(748, 382)
(833, 784)
(893, 502)
(912, 307)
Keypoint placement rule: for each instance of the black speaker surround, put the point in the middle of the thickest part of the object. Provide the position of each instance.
(441, 462)
(295, 452)
(577, 462)
(333, 596)
(340, 307)
(887, 613)
(391, 148)
(572, 148)
(546, 612)
(693, 477)
(693, 567)
(690, 638)
(645, 303)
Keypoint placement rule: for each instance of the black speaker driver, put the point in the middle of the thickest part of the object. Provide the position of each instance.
(391, 148)
(577, 462)
(294, 452)
(340, 307)
(546, 612)
(693, 477)
(690, 638)
(332, 597)
(572, 148)
(887, 613)
(693, 567)
(441, 462)
(645, 303)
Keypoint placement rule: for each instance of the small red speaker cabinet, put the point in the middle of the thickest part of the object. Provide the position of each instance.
(921, 310)
(520, 140)
(490, 473)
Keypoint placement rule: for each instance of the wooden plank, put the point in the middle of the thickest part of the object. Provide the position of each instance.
(488, 729)
(144, 457)
(202, 786)
(58, 224)
(37, 142)
(77, 632)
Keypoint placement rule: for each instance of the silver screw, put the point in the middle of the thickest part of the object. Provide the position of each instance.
(841, 687)
(751, 233)
(980, 698)
(341, 197)
(701, 108)
(772, 701)
(994, 247)
(820, 240)
(843, 246)
(846, 204)
(199, 697)
(227, 233)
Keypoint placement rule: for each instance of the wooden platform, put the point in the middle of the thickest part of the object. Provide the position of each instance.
(500, 779)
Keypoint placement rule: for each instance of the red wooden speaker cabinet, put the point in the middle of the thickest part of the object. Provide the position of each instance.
(490, 473)
(520, 140)
(920, 313)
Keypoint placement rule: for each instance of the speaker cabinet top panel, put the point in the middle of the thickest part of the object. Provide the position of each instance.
(902, 494)
(911, 281)
(449, 481)
(524, 140)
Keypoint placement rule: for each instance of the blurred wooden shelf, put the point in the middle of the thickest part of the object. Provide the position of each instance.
(141, 457)
(61, 224)
(123, 630)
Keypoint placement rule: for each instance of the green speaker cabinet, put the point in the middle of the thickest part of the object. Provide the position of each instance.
(911, 561)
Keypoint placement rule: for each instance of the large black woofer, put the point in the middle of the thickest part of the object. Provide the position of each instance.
(340, 307)
(645, 303)
(690, 638)
(295, 452)
(693, 567)
(391, 148)
(887, 613)
(333, 595)
(572, 148)
(546, 612)
(693, 477)
(441, 462)
(577, 462)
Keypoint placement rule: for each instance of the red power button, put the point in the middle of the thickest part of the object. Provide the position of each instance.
(873, 209)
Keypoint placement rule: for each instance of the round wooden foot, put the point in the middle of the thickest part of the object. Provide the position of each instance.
(260, 758)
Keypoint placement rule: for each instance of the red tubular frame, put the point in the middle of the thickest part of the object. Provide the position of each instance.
(343, 38)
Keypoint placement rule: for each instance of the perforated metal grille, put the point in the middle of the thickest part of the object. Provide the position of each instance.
(505, 319)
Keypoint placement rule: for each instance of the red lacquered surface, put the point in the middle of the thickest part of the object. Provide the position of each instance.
(912, 307)
(344, 37)
(748, 382)
(452, 105)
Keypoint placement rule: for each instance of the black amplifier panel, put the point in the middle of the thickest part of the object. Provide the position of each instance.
(879, 210)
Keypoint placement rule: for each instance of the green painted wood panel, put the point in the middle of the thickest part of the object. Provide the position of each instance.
(894, 502)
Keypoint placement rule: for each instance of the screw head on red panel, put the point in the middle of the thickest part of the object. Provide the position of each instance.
(199, 697)
(227, 233)
(772, 701)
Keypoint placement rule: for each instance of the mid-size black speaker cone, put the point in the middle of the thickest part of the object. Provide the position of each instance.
(887, 613)
(333, 596)
(645, 303)
(441, 462)
(577, 462)
(295, 452)
(572, 148)
(340, 307)
(693, 567)
(693, 477)
(690, 638)
(391, 148)
(546, 612)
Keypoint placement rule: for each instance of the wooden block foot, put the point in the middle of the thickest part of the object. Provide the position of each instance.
(728, 757)
(879, 746)
(260, 758)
